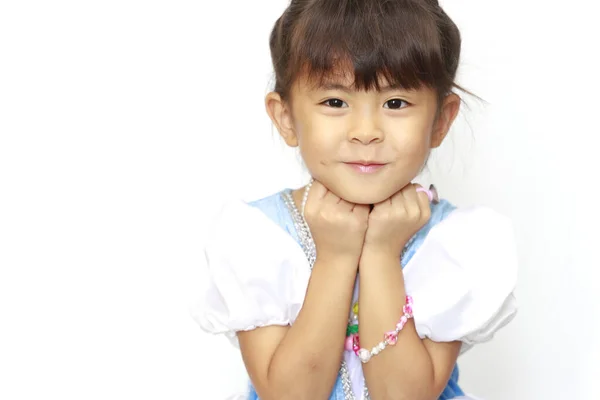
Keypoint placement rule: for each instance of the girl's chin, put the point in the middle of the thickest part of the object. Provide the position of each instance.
(365, 196)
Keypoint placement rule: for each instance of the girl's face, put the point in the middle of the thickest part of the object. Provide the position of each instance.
(364, 146)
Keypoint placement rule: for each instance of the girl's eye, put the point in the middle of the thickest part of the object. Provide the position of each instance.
(334, 103)
(396, 104)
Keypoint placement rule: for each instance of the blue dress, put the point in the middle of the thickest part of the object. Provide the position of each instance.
(274, 207)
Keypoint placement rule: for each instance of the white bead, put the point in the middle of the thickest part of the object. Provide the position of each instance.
(305, 196)
(364, 355)
(375, 350)
(381, 346)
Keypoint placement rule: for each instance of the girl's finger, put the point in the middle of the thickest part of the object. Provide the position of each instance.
(331, 198)
(345, 205)
(317, 191)
(411, 199)
(387, 204)
(423, 200)
(361, 209)
(398, 199)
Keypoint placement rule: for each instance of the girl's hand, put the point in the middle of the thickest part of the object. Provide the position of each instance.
(394, 221)
(337, 226)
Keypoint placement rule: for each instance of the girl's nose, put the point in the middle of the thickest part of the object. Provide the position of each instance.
(366, 132)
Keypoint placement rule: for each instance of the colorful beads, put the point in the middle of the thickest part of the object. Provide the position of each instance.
(355, 344)
(349, 343)
(351, 330)
(364, 355)
(401, 323)
(391, 337)
(352, 327)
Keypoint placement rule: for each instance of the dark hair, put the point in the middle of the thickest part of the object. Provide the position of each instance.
(409, 42)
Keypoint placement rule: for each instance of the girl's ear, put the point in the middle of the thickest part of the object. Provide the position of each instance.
(282, 118)
(446, 117)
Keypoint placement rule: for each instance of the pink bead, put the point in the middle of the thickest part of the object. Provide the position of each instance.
(348, 345)
(355, 344)
(401, 323)
(391, 338)
(409, 300)
(408, 310)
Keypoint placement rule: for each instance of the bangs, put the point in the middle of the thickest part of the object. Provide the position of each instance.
(396, 40)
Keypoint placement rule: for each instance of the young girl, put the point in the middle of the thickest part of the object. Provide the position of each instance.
(364, 89)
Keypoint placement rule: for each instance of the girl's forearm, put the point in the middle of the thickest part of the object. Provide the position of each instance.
(403, 371)
(306, 362)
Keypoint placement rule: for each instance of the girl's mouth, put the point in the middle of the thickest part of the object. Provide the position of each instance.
(365, 167)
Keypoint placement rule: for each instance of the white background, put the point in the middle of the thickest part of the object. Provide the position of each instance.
(123, 124)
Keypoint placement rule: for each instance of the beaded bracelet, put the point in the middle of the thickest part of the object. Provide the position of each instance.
(389, 339)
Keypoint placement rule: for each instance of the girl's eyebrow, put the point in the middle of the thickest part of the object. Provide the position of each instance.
(335, 86)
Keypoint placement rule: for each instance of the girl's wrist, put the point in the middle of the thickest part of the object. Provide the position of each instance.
(372, 255)
(338, 261)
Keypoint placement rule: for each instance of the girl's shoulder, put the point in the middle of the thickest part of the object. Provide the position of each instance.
(273, 206)
(256, 275)
(461, 270)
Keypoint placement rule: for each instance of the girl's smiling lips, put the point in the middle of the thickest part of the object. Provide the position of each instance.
(365, 166)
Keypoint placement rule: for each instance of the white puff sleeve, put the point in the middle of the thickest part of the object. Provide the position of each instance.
(257, 274)
(463, 276)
